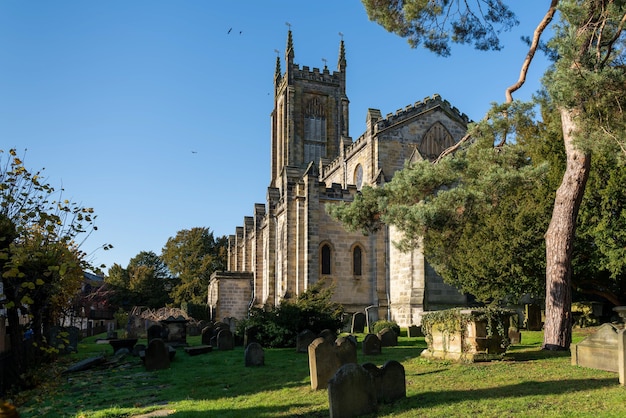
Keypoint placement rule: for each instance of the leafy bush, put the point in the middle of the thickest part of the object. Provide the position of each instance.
(381, 325)
(279, 326)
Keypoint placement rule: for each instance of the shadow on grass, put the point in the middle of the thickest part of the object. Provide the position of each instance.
(529, 388)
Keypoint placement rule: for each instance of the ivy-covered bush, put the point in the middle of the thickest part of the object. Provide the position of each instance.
(381, 325)
(279, 326)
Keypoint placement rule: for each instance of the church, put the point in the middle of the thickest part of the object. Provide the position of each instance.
(290, 242)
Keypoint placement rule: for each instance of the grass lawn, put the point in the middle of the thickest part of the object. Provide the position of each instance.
(527, 383)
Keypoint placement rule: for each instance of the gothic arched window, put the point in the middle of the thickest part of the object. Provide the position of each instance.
(326, 259)
(437, 139)
(314, 131)
(357, 261)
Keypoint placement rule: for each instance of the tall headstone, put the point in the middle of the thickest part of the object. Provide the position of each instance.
(254, 355)
(358, 323)
(157, 355)
(323, 362)
(328, 335)
(351, 392)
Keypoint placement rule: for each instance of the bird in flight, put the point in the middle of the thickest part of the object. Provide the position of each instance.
(229, 30)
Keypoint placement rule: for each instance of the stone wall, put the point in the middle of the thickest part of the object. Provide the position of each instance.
(229, 294)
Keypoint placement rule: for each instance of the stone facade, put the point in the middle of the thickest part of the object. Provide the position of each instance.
(291, 242)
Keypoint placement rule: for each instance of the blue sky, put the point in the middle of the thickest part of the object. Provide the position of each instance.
(156, 116)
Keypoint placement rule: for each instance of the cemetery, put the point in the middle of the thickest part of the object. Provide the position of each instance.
(340, 374)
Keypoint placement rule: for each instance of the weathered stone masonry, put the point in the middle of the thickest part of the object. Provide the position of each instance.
(290, 242)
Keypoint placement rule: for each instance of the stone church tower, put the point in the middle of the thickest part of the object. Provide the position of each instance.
(290, 242)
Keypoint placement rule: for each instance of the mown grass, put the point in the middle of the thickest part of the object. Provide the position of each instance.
(527, 383)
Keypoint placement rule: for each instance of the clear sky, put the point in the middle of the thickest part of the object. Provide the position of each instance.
(156, 112)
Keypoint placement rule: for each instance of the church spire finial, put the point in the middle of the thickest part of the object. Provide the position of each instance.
(289, 53)
(278, 72)
(342, 63)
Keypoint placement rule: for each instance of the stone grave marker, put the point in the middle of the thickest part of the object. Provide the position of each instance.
(328, 335)
(345, 349)
(323, 362)
(303, 340)
(254, 355)
(389, 381)
(157, 356)
(371, 345)
(388, 338)
(207, 333)
(415, 331)
(225, 340)
(358, 323)
(351, 392)
(155, 331)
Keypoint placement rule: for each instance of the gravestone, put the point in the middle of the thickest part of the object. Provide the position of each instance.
(198, 349)
(176, 330)
(231, 322)
(515, 336)
(225, 340)
(193, 329)
(303, 340)
(389, 381)
(371, 345)
(328, 335)
(532, 317)
(358, 323)
(155, 331)
(345, 349)
(207, 333)
(414, 331)
(351, 392)
(254, 355)
(388, 337)
(157, 356)
(323, 362)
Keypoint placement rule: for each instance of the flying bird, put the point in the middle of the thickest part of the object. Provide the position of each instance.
(229, 31)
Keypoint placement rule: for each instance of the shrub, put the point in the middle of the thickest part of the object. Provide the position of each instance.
(279, 326)
(381, 325)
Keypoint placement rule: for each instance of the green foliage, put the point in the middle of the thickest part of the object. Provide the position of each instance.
(198, 311)
(121, 318)
(192, 256)
(456, 320)
(437, 24)
(40, 257)
(381, 325)
(279, 326)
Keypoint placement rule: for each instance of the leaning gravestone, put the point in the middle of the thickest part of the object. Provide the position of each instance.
(254, 355)
(351, 392)
(303, 340)
(225, 340)
(371, 345)
(358, 323)
(157, 356)
(388, 337)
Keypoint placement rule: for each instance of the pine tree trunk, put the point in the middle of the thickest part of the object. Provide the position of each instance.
(560, 239)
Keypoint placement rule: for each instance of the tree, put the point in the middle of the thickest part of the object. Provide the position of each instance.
(586, 85)
(40, 256)
(192, 256)
(150, 280)
(146, 281)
